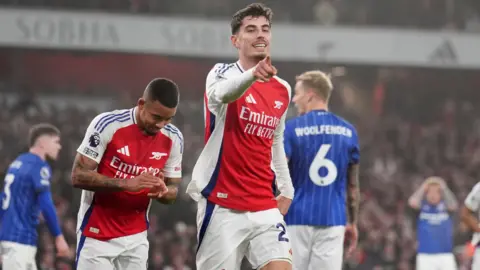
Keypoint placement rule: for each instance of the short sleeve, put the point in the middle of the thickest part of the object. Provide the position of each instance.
(472, 201)
(355, 149)
(288, 139)
(40, 176)
(173, 166)
(97, 137)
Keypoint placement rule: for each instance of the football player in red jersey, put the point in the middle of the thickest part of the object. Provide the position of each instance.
(127, 158)
(246, 104)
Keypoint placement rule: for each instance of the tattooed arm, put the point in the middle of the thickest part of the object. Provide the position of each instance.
(85, 177)
(353, 193)
(171, 196)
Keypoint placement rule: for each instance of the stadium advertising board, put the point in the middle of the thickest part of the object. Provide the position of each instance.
(204, 38)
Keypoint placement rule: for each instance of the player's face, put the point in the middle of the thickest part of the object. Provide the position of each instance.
(154, 116)
(51, 145)
(253, 38)
(300, 98)
(434, 194)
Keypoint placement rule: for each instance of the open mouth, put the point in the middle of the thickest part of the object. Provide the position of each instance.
(260, 45)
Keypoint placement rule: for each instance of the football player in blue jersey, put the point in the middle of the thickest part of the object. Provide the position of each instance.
(435, 203)
(323, 155)
(26, 193)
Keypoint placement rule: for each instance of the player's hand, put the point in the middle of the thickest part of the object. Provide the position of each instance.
(264, 70)
(157, 193)
(63, 250)
(351, 234)
(145, 180)
(283, 204)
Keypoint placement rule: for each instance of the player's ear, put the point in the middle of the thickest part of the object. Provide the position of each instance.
(141, 102)
(310, 95)
(234, 40)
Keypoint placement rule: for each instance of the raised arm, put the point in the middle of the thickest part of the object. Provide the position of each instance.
(221, 89)
(449, 197)
(415, 200)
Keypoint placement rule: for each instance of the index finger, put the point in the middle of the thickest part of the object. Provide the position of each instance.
(268, 60)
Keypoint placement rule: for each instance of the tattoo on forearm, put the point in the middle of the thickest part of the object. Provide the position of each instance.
(84, 176)
(353, 193)
(171, 195)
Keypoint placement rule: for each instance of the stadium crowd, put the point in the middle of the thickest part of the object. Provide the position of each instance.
(427, 14)
(411, 125)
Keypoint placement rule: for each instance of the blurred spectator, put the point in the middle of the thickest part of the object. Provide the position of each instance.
(427, 14)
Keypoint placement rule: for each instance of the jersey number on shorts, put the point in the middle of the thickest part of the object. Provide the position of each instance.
(320, 161)
(8, 195)
(281, 236)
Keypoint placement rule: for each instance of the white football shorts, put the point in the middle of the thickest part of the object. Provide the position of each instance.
(18, 256)
(317, 248)
(476, 259)
(123, 253)
(226, 236)
(442, 261)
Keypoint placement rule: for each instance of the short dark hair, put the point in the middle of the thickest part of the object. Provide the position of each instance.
(164, 91)
(254, 10)
(39, 130)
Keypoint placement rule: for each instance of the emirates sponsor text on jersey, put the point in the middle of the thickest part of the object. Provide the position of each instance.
(125, 170)
(259, 123)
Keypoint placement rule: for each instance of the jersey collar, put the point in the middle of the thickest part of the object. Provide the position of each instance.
(239, 66)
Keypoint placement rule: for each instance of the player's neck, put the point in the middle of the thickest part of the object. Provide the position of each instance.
(247, 63)
(37, 151)
(318, 106)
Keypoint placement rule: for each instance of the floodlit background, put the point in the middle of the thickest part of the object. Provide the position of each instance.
(407, 75)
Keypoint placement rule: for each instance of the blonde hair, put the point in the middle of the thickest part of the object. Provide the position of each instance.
(318, 81)
(434, 180)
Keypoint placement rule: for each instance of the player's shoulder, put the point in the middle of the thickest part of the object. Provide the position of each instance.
(284, 85)
(476, 188)
(343, 121)
(172, 132)
(28, 159)
(31, 163)
(113, 120)
(292, 122)
(225, 69)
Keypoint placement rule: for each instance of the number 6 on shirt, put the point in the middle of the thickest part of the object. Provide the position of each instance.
(320, 161)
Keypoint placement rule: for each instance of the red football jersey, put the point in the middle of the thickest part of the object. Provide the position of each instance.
(234, 170)
(122, 150)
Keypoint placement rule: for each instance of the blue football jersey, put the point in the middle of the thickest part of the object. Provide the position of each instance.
(320, 146)
(434, 229)
(25, 179)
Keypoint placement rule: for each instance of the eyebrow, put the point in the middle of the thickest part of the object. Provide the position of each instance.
(161, 116)
(254, 26)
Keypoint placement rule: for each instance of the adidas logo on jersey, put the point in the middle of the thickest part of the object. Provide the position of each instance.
(124, 151)
(250, 99)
